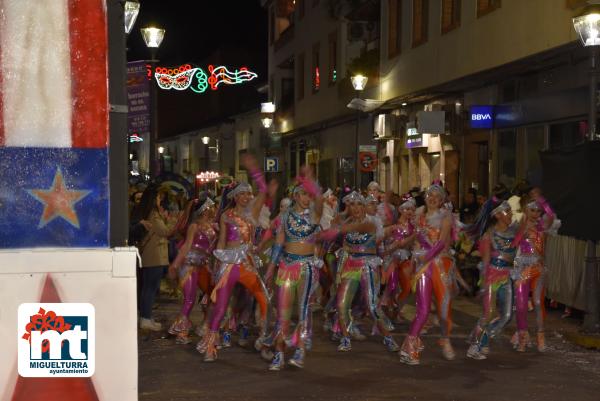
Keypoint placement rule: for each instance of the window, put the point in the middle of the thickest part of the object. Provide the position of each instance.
(316, 73)
(272, 88)
(287, 93)
(333, 58)
(567, 135)
(420, 22)
(394, 28)
(301, 76)
(487, 6)
(535, 142)
(450, 15)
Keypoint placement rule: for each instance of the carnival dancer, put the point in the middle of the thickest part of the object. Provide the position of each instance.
(434, 274)
(498, 249)
(295, 255)
(398, 269)
(191, 266)
(234, 254)
(529, 273)
(359, 266)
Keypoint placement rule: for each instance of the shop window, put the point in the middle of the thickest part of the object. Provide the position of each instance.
(420, 22)
(450, 15)
(301, 76)
(316, 73)
(487, 6)
(507, 160)
(333, 73)
(394, 28)
(567, 135)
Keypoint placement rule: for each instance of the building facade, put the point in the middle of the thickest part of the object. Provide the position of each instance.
(314, 48)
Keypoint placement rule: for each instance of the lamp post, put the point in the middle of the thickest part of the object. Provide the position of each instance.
(153, 37)
(358, 82)
(587, 26)
(131, 9)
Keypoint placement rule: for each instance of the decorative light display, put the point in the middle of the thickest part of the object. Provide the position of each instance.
(207, 176)
(317, 79)
(135, 138)
(181, 78)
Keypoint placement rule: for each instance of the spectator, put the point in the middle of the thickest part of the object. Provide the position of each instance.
(468, 211)
(154, 250)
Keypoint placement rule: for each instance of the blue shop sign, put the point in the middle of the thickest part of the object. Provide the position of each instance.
(482, 117)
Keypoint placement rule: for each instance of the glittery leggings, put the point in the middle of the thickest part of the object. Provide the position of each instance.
(532, 279)
(399, 279)
(369, 283)
(435, 280)
(248, 279)
(489, 325)
(287, 292)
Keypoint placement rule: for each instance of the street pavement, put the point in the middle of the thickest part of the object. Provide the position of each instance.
(168, 371)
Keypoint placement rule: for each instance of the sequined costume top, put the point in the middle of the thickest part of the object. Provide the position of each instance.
(362, 243)
(532, 243)
(299, 227)
(400, 233)
(502, 249)
(201, 243)
(429, 228)
(238, 228)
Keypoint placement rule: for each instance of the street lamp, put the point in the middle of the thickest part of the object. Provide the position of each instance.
(359, 82)
(132, 9)
(153, 37)
(587, 26)
(267, 122)
(206, 141)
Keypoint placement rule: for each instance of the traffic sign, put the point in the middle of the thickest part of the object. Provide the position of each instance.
(271, 164)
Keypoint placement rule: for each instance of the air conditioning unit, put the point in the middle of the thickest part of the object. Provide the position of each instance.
(386, 126)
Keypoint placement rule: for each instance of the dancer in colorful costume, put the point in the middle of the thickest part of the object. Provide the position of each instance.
(529, 273)
(498, 249)
(434, 274)
(234, 254)
(359, 266)
(191, 266)
(398, 269)
(295, 255)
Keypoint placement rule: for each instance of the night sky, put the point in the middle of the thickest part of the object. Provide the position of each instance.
(201, 32)
(196, 28)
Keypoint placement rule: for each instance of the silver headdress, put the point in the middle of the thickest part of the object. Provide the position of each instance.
(533, 205)
(410, 202)
(503, 207)
(354, 197)
(436, 188)
(328, 193)
(208, 203)
(240, 188)
(370, 199)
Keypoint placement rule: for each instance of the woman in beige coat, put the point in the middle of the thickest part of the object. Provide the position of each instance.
(154, 251)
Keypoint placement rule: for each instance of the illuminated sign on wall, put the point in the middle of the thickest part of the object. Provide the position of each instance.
(482, 117)
(195, 78)
(414, 139)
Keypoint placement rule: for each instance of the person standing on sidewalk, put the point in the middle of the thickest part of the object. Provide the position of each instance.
(498, 250)
(154, 251)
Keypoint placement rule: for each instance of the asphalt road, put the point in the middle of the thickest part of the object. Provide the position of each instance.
(169, 371)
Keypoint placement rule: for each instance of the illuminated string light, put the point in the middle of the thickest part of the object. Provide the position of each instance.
(135, 138)
(181, 78)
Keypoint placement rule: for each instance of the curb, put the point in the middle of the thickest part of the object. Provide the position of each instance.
(583, 340)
